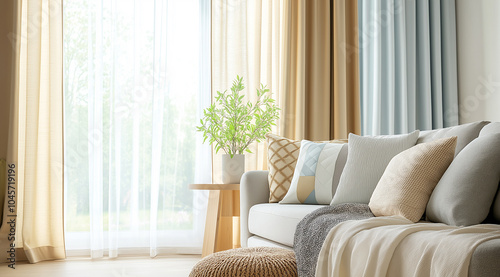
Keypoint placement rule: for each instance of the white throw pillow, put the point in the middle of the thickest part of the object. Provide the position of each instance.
(314, 176)
(368, 157)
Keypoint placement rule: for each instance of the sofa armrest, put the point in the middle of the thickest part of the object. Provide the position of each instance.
(254, 189)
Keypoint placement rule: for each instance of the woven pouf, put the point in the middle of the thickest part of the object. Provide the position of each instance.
(246, 262)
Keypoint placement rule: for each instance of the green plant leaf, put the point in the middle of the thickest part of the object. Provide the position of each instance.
(232, 124)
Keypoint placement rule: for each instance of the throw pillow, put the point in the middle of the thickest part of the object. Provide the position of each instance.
(493, 128)
(410, 177)
(465, 133)
(368, 157)
(282, 155)
(466, 191)
(313, 180)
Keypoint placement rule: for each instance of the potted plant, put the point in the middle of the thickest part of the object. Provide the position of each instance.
(232, 125)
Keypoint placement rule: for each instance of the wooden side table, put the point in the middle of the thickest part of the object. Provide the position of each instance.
(222, 227)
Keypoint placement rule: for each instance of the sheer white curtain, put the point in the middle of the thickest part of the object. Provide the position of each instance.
(136, 78)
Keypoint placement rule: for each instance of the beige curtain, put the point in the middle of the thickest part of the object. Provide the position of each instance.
(304, 50)
(323, 70)
(345, 106)
(36, 132)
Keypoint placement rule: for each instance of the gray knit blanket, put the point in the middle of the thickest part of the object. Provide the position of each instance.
(311, 232)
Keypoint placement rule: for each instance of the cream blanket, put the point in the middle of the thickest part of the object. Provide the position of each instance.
(395, 246)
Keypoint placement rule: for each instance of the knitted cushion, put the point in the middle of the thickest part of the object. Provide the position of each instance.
(410, 177)
(253, 261)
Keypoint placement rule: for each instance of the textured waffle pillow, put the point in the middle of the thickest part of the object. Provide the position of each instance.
(407, 183)
(317, 173)
(467, 189)
(368, 157)
(282, 155)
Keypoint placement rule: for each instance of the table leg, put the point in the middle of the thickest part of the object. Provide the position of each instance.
(222, 227)
(212, 223)
(236, 219)
(225, 230)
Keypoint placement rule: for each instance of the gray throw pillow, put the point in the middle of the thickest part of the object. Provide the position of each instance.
(493, 128)
(366, 162)
(466, 191)
(465, 133)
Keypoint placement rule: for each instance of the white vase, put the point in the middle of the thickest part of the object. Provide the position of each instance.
(232, 168)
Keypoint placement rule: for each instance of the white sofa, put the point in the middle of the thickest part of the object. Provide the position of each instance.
(273, 224)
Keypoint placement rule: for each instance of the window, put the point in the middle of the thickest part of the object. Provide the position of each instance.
(136, 78)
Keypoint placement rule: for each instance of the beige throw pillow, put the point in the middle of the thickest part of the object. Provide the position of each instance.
(409, 179)
(282, 157)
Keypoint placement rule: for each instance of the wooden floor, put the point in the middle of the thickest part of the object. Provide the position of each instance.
(168, 266)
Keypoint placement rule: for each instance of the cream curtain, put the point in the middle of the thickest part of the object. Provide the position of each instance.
(35, 133)
(246, 41)
(305, 51)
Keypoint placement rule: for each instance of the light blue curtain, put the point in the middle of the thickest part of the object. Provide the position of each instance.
(408, 65)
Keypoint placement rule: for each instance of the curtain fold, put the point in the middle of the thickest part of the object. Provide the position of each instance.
(320, 90)
(305, 55)
(36, 133)
(291, 95)
(246, 42)
(345, 104)
(317, 57)
(408, 65)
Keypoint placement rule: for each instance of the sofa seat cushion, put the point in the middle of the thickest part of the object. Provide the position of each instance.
(256, 241)
(277, 222)
(484, 260)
